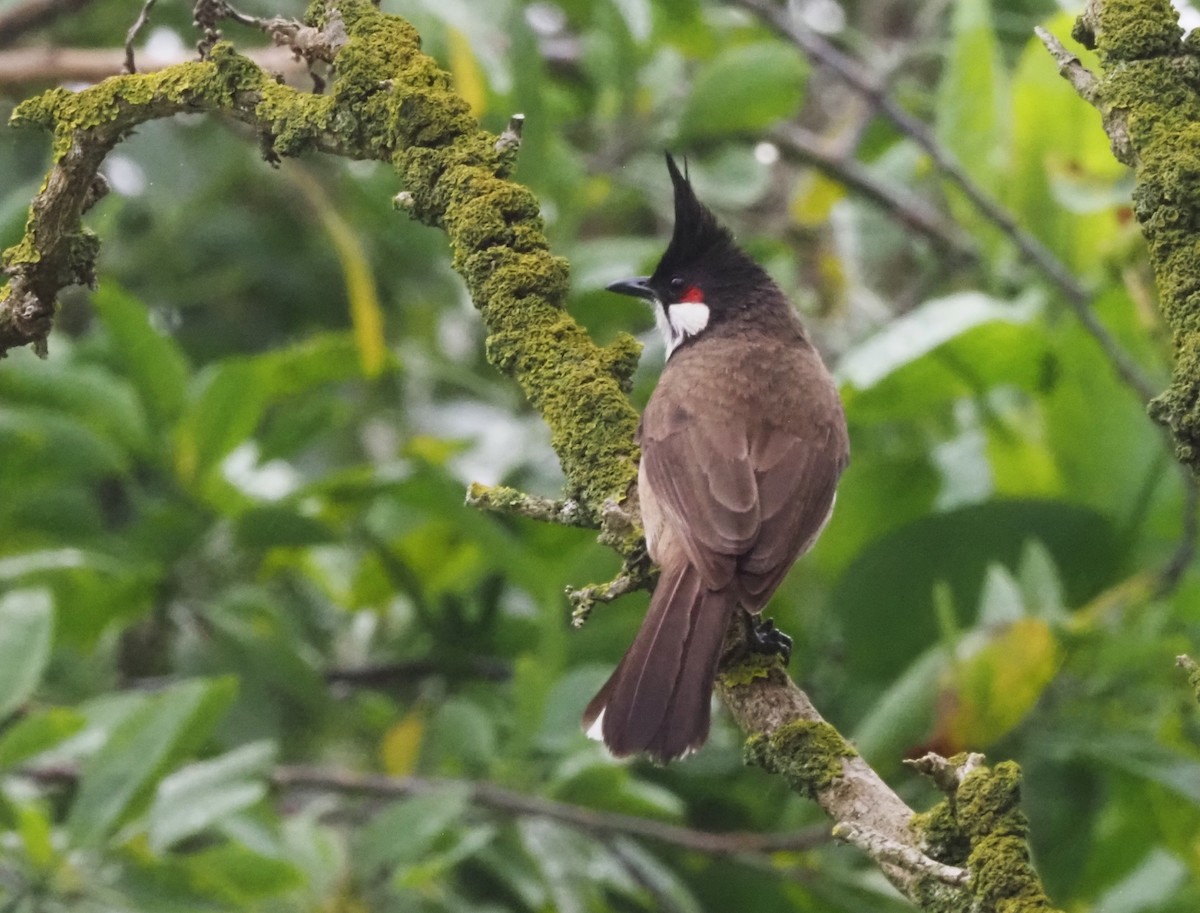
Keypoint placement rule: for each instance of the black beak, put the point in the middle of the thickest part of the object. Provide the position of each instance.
(638, 288)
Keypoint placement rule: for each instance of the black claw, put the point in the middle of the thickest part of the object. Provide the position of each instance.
(763, 637)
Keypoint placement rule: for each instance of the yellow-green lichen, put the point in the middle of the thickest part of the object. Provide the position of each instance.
(988, 811)
(1138, 29)
(749, 668)
(1149, 85)
(805, 753)
(1192, 668)
(942, 837)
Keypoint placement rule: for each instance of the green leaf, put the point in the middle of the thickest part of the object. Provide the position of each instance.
(94, 397)
(972, 100)
(998, 682)
(281, 525)
(1001, 601)
(226, 406)
(240, 876)
(40, 443)
(923, 329)
(151, 359)
(463, 736)
(894, 576)
(118, 779)
(1061, 153)
(38, 732)
(34, 829)
(202, 794)
(743, 90)
(26, 634)
(403, 833)
(904, 712)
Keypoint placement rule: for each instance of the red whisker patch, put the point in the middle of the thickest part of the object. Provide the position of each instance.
(693, 295)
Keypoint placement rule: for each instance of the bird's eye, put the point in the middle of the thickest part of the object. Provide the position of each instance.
(677, 284)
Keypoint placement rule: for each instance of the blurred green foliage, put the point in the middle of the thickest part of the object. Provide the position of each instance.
(232, 533)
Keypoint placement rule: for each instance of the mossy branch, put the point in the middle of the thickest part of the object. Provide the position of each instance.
(390, 102)
(1148, 96)
(961, 856)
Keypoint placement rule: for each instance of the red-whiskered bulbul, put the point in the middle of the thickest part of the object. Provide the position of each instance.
(742, 441)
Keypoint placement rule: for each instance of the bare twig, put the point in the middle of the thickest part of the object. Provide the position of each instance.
(1070, 67)
(131, 35)
(57, 64)
(511, 137)
(32, 14)
(497, 798)
(1185, 551)
(505, 500)
(583, 600)
(945, 775)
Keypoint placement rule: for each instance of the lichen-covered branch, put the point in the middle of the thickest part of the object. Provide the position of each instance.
(1149, 102)
(389, 102)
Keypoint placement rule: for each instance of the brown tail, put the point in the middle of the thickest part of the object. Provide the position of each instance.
(657, 700)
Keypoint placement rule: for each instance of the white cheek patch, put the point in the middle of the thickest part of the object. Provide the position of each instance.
(681, 320)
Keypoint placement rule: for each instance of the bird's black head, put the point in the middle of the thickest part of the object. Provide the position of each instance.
(703, 277)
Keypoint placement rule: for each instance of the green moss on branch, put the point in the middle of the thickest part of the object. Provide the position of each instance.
(389, 102)
(807, 754)
(1148, 94)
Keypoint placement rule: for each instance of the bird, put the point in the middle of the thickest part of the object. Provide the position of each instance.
(742, 443)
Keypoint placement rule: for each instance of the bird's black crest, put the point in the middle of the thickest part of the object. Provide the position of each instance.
(698, 235)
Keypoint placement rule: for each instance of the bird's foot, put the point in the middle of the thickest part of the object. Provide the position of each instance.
(763, 637)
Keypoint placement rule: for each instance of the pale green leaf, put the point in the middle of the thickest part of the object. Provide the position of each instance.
(744, 89)
(972, 96)
(26, 634)
(202, 794)
(119, 777)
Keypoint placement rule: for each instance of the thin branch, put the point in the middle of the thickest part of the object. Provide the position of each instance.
(1070, 67)
(32, 14)
(908, 209)
(637, 575)
(374, 675)
(782, 725)
(46, 63)
(131, 36)
(497, 798)
(855, 75)
(504, 500)
(1185, 551)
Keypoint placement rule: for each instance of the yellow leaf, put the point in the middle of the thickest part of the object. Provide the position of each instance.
(996, 687)
(366, 316)
(401, 745)
(467, 75)
(815, 199)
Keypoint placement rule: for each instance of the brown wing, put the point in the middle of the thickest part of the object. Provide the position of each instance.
(745, 507)
(797, 479)
(703, 487)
